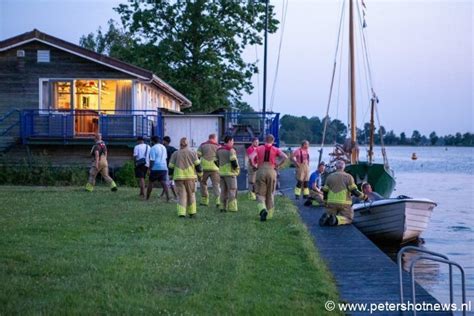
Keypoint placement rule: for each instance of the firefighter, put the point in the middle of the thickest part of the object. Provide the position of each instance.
(266, 177)
(99, 165)
(207, 153)
(228, 170)
(252, 168)
(300, 158)
(185, 165)
(337, 195)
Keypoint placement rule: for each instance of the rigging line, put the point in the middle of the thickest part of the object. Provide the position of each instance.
(367, 56)
(369, 70)
(365, 60)
(382, 143)
(367, 91)
(340, 70)
(283, 19)
(332, 82)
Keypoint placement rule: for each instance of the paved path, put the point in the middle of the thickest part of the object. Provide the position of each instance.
(363, 273)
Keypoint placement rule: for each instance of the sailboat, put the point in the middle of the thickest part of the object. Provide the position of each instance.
(379, 175)
(397, 220)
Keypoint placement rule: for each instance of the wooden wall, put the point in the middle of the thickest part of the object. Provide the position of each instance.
(19, 85)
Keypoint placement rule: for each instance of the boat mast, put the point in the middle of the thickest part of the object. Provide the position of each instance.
(354, 157)
(264, 107)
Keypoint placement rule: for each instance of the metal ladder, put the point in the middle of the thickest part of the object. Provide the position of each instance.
(432, 256)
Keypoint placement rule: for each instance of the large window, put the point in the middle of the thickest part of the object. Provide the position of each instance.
(86, 95)
(116, 95)
(108, 96)
(61, 95)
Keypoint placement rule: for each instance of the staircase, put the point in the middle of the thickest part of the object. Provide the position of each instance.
(9, 130)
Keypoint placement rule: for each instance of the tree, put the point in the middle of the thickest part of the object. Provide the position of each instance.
(433, 138)
(403, 139)
(391, 139)
(196, 46)
(416, 137)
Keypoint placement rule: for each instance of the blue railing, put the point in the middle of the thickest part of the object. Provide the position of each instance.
(9, 121)
(116, 124)
(244, 126)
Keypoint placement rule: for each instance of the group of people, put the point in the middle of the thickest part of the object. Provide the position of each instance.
(334, 191)
(179, 169)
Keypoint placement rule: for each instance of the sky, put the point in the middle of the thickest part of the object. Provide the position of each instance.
(421, 54)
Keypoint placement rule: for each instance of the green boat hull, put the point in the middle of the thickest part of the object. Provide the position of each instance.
(379, 176)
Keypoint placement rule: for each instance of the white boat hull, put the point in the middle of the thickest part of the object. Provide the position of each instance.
(393, 220)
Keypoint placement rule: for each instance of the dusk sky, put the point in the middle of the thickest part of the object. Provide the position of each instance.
(421, 53)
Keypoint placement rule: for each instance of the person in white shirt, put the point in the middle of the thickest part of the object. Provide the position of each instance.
(141, 157)
(158, 167)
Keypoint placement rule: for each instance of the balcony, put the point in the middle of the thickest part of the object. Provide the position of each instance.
(39, 126)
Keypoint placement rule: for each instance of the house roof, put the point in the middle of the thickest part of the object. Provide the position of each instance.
(116, 64)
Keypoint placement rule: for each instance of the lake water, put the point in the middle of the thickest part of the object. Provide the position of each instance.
(446, 176)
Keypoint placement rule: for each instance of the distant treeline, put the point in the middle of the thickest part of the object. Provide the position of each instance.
(294, 129)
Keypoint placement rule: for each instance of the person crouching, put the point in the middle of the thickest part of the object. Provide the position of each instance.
(337, 194)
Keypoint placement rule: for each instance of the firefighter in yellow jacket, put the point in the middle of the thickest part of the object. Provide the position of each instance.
(228, 170)
(207, 154)
(337, 190)
(186, 166)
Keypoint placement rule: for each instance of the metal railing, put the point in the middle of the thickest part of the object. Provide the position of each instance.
(244, 126)
(111, 124)
(8, 120)
(433, 256)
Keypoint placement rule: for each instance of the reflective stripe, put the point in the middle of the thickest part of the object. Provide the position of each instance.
(205, 200)
(232, 206)
(181, 210)
(197, 162)
(270, 213)
(342, 220)
(89, 187)
(261, 206)
(338, 198)
(184, 174)
(305, 191)
(352, 187)
(297, 191)
(208, 165)
(191, 208)
(226, 170)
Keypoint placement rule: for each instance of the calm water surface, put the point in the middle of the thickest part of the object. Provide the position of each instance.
(446, 176)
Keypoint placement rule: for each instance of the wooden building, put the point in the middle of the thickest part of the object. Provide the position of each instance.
(56, 89)
(55, 95)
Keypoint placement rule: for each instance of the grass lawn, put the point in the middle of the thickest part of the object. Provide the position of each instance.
(63, 250)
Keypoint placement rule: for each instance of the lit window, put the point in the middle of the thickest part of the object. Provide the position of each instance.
(61, 95)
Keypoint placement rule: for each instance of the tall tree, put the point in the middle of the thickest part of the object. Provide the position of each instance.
(196, 46)
(416, 137)
(433, 138)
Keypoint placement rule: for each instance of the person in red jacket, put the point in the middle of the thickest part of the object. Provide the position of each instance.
(300, 158)
(252, 168)
(266, 177)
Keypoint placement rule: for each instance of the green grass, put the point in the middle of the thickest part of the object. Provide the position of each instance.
(63, 250)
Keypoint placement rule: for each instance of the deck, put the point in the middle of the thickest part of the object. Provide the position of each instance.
(363, 273)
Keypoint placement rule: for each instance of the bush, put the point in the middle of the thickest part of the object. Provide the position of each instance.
(126, 175)
(39, 171)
